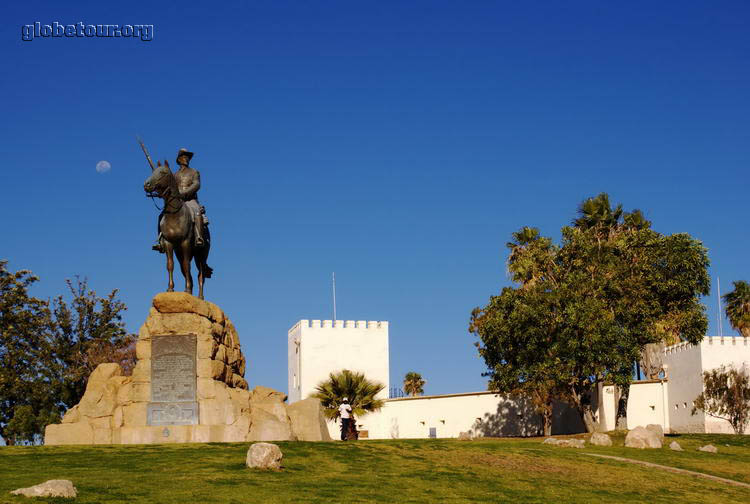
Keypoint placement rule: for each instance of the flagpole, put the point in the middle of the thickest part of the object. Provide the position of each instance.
(718, 297)
(334, 298)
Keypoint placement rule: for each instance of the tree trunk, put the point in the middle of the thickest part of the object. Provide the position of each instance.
(621, 417)
(547, 418)
(352, 434)
(582, 402)
(587, 415)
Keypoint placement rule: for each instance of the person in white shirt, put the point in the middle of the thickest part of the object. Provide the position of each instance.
(345, 410)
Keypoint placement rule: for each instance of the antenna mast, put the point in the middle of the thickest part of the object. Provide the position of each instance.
(718, 298)
(334, 298)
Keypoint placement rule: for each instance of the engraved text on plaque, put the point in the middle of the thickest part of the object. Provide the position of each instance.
(173, 380)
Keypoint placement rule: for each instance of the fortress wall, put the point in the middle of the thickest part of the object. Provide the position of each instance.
(727, 350)
(685, 364)
(483, 414)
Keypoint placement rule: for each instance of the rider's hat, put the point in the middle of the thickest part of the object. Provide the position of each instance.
(184, 152)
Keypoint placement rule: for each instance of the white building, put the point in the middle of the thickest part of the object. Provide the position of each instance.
(317, 348)
(669, 402)
(477, 413)
(684, 366)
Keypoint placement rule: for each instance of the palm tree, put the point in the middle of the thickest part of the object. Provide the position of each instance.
(738, 307)
(597, 215)
(357, 388)
(597, 212)
(413, 384)
(531, 257)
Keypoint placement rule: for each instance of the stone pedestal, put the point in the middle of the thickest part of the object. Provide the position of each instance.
(187, 386)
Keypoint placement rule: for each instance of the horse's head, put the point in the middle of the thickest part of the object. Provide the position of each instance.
(159, 181)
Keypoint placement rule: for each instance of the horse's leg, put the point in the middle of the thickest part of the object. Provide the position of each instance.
(185, 257)
(169, 250)
(199, 262)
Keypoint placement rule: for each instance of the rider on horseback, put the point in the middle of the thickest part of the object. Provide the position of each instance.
(188, 183)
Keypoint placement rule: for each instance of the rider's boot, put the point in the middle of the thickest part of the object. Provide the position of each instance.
(158, 245)
(199, 230)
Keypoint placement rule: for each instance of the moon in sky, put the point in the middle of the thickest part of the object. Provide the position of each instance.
(103, 166)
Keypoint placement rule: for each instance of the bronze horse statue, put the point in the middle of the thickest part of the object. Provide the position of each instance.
(177, 228)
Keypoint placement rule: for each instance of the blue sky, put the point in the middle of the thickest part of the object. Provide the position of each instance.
(398, 144)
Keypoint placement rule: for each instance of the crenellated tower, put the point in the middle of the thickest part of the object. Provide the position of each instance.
(319, 347)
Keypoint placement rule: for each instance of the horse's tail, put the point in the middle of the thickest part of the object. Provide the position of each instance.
(207, 271)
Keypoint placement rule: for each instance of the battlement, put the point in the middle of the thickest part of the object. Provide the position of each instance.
(709, 340)
(727, 340)
(340, 324)
(678, 347)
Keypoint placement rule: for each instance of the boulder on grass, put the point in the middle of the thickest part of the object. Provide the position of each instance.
(709, 448)
(674, 445)
(600, 439)
(51, 488)
(656, 429)
(264, 456)
(566, 443)
(641, 437)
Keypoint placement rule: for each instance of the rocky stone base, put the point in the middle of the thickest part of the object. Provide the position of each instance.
(113, 409)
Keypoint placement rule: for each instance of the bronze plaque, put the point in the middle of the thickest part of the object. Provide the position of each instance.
(173, 380)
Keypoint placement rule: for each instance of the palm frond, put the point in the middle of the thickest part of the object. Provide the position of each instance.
(353, 385)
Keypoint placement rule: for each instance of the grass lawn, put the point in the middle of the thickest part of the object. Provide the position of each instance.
(444, 471)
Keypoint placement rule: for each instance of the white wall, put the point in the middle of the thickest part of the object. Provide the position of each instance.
(684, 365)
(716, 351)
(480, 413)
(647, 404)
(683, 369)
(317, 348)
(483, 412)
(293, 362)
(607, 413)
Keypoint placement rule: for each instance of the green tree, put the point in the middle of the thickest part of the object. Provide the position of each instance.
(726, 395)
(517, 327)
(413, 383)
(738, 307)
(84, 332)
(48, 350)
(25, 401)
(584, 311)
(356, 387)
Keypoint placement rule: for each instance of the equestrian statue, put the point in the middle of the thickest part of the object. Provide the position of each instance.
(182, 224)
